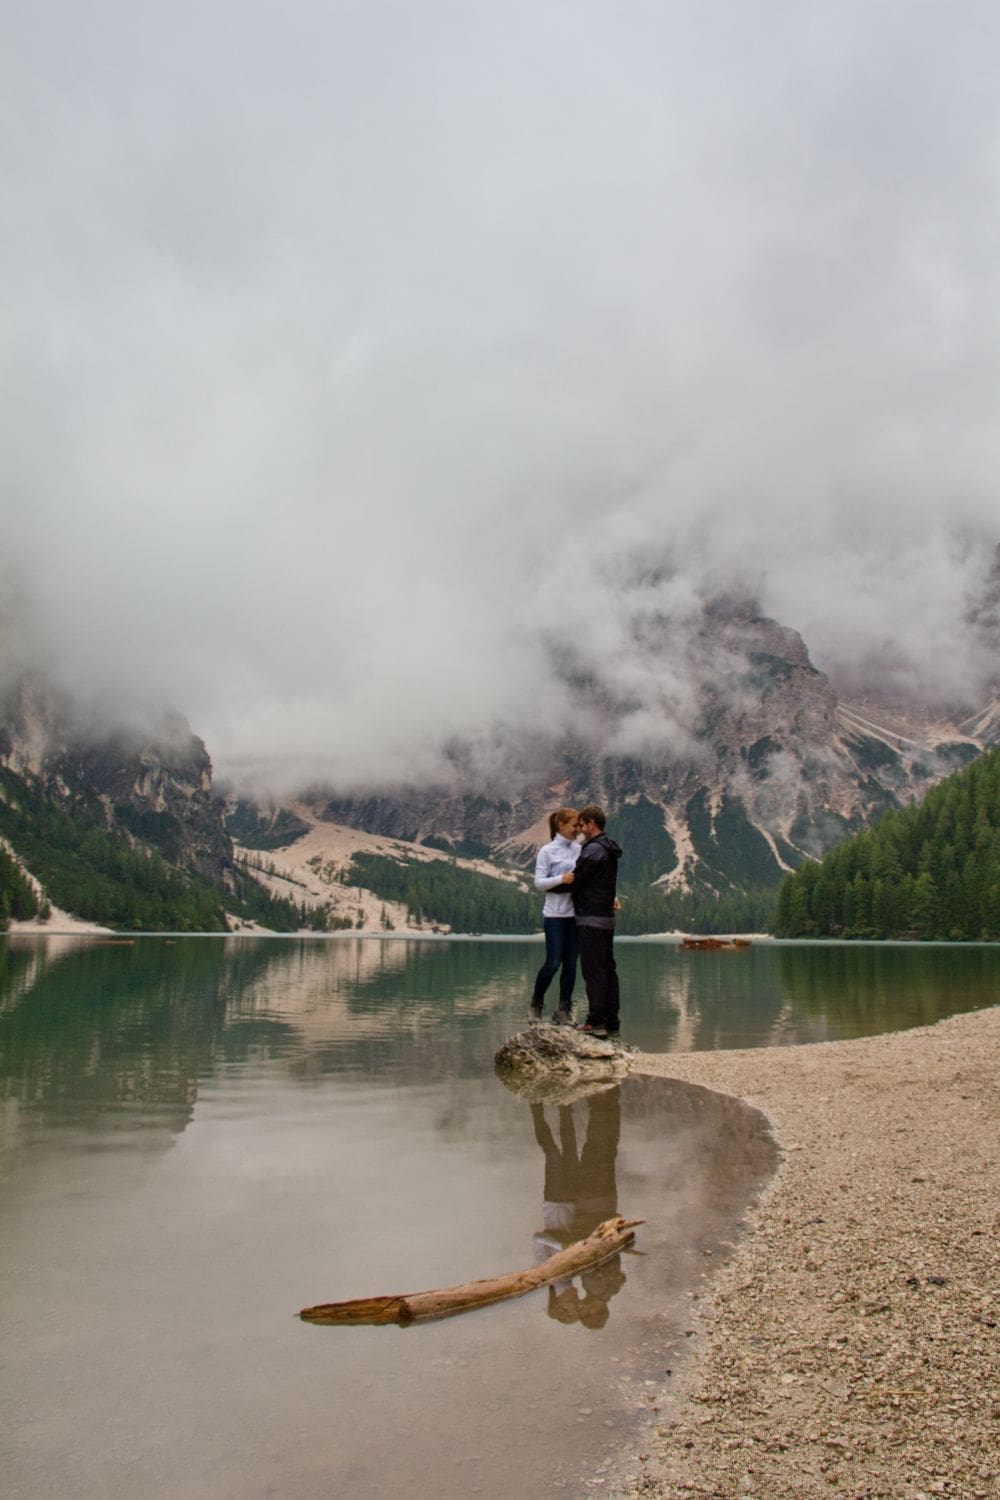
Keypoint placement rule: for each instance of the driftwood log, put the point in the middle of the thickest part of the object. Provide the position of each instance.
(606, 1240)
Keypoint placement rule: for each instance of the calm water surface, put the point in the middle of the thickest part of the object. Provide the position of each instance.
(201, 1136)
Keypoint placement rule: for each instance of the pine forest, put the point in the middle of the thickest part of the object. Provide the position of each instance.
(930, 871)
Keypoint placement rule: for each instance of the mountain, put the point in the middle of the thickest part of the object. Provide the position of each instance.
(155, 784)
(724, 757)
(125, 829)
(984, 618)
(120, 828)
(984, 725)
(771, 767)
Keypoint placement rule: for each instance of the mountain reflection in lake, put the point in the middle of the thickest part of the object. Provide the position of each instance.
(200, 1137)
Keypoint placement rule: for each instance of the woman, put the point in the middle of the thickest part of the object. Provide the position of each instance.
(554, 876)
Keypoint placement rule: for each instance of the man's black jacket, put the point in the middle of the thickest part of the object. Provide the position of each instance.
(595, 878)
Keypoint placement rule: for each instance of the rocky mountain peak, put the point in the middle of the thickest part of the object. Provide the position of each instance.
(154, 780)
(746, 763)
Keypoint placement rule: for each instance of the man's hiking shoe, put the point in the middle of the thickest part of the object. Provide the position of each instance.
(535, 1013)
(562, 1017)
(590, 1030)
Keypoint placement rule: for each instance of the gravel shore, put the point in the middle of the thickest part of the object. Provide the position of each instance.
(850, 1346)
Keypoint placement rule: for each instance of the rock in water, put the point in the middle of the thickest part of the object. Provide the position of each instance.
(547, 1060)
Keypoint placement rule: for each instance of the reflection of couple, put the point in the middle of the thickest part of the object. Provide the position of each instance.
(580, 885)
(580, 1192)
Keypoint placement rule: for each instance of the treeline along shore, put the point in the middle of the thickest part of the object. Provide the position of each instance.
(928, 871)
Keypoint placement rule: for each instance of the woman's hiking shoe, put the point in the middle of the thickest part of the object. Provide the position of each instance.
(535, 1013)
(562, 1017)
(591, 1030)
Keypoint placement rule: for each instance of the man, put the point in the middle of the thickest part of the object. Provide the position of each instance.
(593, 888)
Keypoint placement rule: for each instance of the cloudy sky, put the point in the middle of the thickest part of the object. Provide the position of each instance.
(358, 357)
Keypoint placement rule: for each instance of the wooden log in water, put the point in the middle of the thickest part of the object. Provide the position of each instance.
(608, 1239)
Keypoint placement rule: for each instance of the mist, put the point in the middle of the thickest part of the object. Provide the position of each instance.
(365, 364)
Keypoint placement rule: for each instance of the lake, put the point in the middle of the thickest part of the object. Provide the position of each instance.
(201, 1136)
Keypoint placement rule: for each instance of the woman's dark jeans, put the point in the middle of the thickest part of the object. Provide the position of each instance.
(562, 946)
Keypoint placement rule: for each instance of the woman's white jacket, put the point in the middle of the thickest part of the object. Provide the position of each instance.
(554, 860)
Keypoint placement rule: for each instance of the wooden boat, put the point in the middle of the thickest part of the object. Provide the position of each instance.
(713, 944)
(608, 1239)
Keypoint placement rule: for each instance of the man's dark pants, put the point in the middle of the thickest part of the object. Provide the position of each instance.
(600, 975)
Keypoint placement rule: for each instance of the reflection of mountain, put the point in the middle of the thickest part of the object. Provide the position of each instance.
(87, 1028)
(706, 1000)
(408, 1011)
(858, 990)
(20, 966)
(773, 994)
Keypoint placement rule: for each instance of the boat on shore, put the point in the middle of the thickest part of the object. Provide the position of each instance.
(714, 944)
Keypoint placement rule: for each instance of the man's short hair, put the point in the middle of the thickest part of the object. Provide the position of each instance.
(593, 814)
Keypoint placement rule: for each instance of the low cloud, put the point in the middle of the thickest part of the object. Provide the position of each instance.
(367, 365)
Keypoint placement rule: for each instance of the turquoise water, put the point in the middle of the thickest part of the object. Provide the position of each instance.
(199, 1137)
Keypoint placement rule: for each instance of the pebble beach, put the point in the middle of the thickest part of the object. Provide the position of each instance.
(850, 1346)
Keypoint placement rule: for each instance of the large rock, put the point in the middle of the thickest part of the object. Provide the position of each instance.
(557, 1064)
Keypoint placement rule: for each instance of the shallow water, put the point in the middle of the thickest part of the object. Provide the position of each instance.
(200, 1137)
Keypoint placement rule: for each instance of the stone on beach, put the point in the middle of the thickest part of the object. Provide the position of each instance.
(555, 1064)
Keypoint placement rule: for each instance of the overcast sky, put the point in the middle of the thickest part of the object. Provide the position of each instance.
(360, 356)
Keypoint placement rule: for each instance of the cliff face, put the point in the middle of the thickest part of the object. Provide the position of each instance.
(984, 617)
(156, 785)
(768, 767)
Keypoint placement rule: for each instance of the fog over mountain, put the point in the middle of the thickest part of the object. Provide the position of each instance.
(372, 372)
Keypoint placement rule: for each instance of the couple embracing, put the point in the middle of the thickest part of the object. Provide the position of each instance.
(578, 871)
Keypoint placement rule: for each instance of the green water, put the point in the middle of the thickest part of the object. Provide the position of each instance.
(198, 1137)
(351, 1003)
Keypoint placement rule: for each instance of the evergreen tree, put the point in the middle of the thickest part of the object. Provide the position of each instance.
(929, 871)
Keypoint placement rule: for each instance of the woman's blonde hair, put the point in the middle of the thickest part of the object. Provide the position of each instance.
(561, 815)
